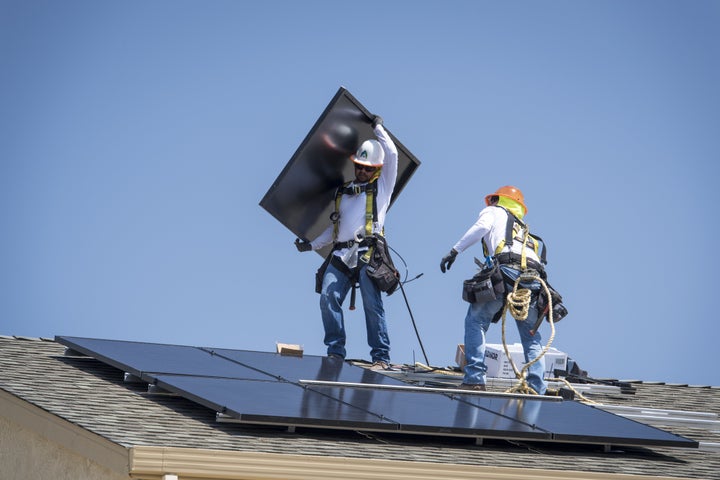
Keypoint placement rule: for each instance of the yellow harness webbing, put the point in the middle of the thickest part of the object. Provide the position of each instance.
(369, 217)
(370, 213)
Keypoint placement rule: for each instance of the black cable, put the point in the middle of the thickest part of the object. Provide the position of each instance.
(406, 267)
(402, 289)
(412, 318)
(401, 258)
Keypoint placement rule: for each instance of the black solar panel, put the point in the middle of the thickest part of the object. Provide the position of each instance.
(302, 197)
(275, 403)
(312, 391)
(146, 360)
(436, 413)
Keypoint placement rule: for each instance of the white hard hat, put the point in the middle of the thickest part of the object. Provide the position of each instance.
(370, 154)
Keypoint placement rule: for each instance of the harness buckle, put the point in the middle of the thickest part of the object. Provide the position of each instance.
(357, 189)
(528, 275)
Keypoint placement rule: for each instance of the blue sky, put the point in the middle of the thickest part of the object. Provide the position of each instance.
(137, 139)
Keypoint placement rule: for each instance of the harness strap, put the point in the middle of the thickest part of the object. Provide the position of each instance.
(528, 239)
(371, 211)
(349, 189)
(335, 216)
(509, 258)
(543, 250)
(523, 259)
(352, 274)
(340, 245)
(370, 218)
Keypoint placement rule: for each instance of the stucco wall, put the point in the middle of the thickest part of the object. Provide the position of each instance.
(28, 455)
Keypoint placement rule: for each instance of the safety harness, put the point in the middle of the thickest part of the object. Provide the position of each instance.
(371, 217)
(371, 214)
(517, 230)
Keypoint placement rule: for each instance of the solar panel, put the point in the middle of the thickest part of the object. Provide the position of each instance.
(275, 403)
(269, 388)
(575, 422)
(422, 412)
(302, 196)
(145, 360)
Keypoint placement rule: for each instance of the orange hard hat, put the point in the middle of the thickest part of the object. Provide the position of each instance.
(510, 192)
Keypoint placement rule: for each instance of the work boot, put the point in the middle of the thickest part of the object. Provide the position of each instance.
(380, 365)
(472, 386)
(565, 393)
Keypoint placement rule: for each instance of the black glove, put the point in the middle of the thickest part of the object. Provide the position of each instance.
(448, 260)
(377, 120)
(302, 245)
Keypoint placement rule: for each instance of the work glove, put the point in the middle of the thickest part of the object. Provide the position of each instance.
(377, 120)
(448, 260)
(302, 245)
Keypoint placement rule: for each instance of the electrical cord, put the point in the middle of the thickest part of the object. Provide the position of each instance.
(402, 289)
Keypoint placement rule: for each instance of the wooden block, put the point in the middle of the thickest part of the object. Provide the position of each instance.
(289, 349)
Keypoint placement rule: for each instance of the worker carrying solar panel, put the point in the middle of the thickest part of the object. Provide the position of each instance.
(511, 253)
(359, 254)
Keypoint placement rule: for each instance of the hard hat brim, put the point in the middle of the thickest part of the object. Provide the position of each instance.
(365, 164)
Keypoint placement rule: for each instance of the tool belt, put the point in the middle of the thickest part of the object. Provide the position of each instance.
(487, 285)
(558, 309)
(338, 263)
(381, 268)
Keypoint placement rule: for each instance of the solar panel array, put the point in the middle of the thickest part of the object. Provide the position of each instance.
(312, 391)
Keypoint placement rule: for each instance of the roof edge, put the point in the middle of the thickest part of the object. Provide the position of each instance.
(160, 462)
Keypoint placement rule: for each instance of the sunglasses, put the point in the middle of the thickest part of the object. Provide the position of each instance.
(364, 168)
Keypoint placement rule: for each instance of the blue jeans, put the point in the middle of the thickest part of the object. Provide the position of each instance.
(335, 286)
(477, 321)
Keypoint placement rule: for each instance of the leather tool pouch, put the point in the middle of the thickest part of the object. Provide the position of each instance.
(381, 268)
(485, 286)
(558, 309)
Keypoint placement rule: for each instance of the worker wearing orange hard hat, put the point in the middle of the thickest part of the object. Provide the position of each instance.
(508, 252)
(510, 196)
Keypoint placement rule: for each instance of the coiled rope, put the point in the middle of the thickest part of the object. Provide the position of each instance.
(518, 302)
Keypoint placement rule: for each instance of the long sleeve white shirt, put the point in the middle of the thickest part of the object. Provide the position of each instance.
(352, 207)
(490, 227)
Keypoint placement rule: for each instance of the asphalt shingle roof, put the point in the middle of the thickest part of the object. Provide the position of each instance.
(94, 396)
